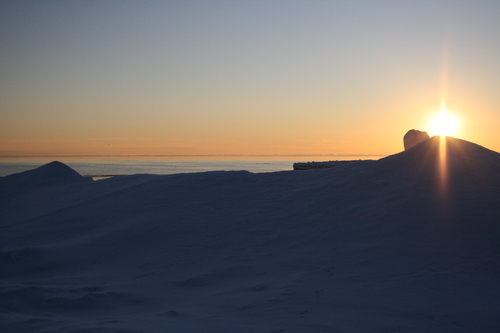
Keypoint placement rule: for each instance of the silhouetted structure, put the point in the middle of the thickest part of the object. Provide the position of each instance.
(413, 138)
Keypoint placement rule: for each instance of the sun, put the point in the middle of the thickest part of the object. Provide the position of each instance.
(444, 123)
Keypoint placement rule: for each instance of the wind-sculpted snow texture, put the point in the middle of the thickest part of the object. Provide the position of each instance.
(375, 246)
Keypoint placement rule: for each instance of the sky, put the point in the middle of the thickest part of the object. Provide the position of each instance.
(243, 77)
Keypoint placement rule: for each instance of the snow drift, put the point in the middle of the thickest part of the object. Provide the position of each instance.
(374, 246)
(51, 174)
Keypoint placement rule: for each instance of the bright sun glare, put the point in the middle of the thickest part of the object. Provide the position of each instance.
(444, 123)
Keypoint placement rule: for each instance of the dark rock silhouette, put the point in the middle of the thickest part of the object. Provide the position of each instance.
(413, 138)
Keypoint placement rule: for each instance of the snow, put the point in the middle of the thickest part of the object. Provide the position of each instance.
(373, 246)
(51, 174)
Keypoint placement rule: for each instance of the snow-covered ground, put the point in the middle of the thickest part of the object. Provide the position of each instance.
(394, 245)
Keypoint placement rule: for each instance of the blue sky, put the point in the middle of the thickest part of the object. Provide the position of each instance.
(250, 77)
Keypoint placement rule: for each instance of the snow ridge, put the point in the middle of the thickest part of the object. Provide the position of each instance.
(54, 173)
(372, 246)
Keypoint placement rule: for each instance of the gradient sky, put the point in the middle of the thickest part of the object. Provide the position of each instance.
(243, 77)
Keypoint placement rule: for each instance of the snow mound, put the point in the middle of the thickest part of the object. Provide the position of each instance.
(54, 173)
(458, 150)
(460, 159)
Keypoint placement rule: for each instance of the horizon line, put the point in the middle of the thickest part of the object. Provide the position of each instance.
(183, 155)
